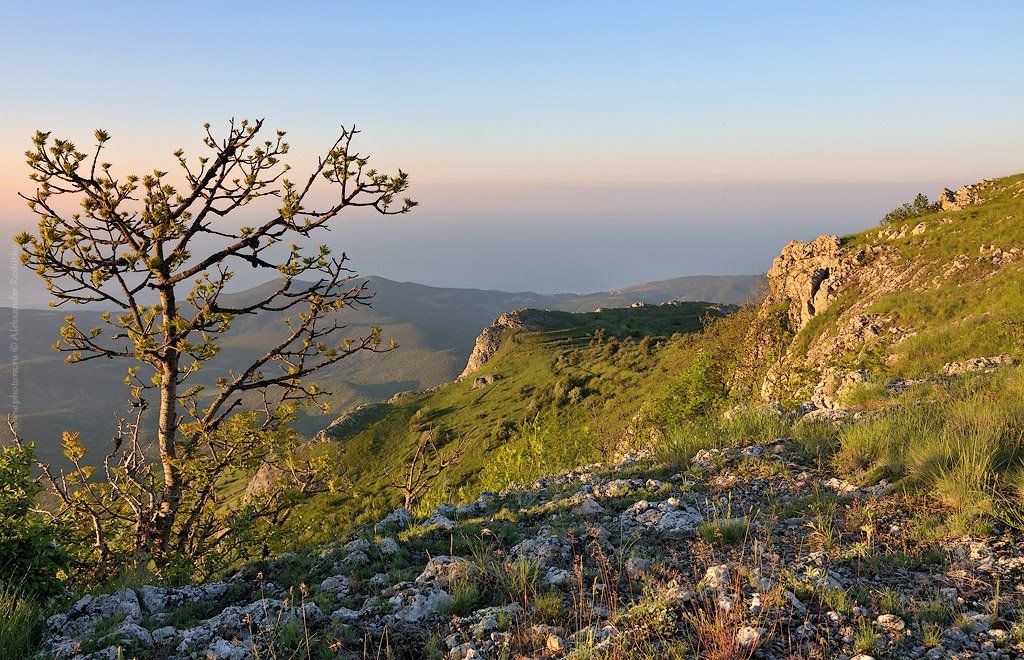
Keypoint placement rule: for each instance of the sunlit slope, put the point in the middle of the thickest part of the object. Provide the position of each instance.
(584, 380)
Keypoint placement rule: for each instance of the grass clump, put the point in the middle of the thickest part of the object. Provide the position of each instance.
(467, 596)
(865, 638)
(21, 625)
(934, 612)
(965, 445)
(682, 442)
(931, 635)
(754, 425)
(836, 599)
(866, 394)
(724, 531)
(549, 605)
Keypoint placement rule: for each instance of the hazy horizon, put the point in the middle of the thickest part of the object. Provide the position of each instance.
(577, 149)
(517, 247)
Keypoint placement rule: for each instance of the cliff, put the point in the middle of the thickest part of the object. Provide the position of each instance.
(489, 341)
(888, 301)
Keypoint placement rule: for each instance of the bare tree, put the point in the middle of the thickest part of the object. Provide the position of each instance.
(161, 249)
(425, 463)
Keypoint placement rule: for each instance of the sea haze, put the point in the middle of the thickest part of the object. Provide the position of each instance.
(577, 239)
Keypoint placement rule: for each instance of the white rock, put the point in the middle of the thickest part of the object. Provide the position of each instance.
(636, 567)
(556, 577)
(423, 604)
(439, 521)
(588, 508)
(336, 583)
(398, 518)
(717, 577)
(678, 522)
(344, 614)
(222, 649)
(165, 636)
(891, 622)
(750, 636)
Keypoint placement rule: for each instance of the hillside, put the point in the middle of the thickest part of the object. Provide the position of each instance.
(751, 547)
(557, 389)
(856, 318)
(905, 300)
(836, 472)
(434, 327)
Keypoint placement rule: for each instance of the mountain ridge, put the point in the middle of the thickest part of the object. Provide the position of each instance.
(436, 328)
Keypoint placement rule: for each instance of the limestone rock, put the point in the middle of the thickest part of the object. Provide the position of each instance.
(982, 364)
(484, 381)
(956, 201)
(807, 276)
(530, 320)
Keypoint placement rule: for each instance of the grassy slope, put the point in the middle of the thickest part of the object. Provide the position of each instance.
(953, 315)
(973, 311)
(532, 366)
(434, 326)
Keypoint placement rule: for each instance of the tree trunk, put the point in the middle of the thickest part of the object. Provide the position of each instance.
(167, 427)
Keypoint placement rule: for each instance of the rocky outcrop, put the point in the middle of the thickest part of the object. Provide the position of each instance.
(957, 201)
(354, 419)
(980, 364)
(489, 341)
(809, 276)
(484, 381)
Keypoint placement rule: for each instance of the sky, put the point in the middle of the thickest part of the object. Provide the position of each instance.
(571, 146)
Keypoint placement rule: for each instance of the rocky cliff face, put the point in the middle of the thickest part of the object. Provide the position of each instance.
(487, 344)
(808, 276)
(806, 279)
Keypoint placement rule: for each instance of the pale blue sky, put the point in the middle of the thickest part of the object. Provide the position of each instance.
(556, 146)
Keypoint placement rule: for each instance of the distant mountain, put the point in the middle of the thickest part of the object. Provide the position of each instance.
(729, 289)
(435, 328)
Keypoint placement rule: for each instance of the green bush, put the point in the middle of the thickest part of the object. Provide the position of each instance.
(910, 210)
(31, 561)
(698, 392)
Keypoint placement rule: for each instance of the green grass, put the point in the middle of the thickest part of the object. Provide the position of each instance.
(467, 596)
(865, 638)
(964, 445)
(21, 624)
(724, 532)
(568, 396)
(549, 605)
(681, 442)
(974, 311)
(565, 397)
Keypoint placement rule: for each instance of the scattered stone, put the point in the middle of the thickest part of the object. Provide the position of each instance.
(399, 518)
(588, 508)
(484, 381)
(750, 637)
(980, 364)
(717, 577)
(891, 622)
(636, 567)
